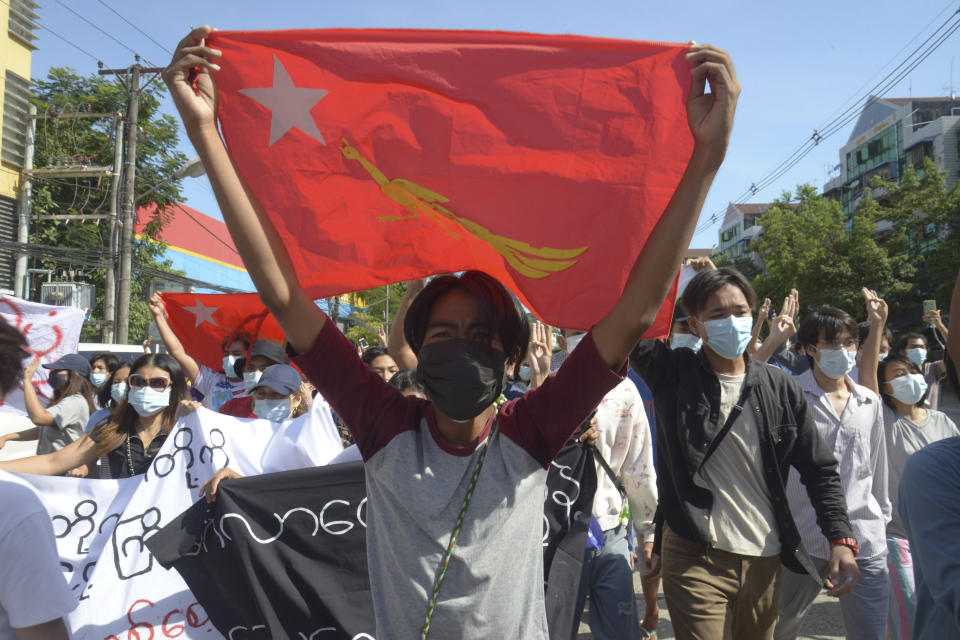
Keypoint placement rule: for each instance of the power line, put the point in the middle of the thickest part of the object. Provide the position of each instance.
(142, 32)
(75, 46)
(95, 26)
(894, 77)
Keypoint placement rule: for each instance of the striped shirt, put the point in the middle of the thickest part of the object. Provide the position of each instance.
(859, 445)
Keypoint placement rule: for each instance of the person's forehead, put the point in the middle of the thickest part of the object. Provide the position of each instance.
(236, 345)
(916, 342)
(261, 361)
(896, 368)
(384, 360)
(456, 307)
(150, 371)
(841, 335)
(726, 296)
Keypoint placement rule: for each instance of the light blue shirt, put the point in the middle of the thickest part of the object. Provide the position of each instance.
(930, 510)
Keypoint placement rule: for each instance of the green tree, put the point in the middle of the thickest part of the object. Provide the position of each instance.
(924, 238)
(379, 309)
(743, 264)
(811, 247)
(90, 141)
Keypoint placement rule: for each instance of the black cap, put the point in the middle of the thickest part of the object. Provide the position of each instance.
(71, 362)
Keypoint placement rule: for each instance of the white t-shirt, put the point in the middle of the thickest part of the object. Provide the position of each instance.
(70, 416)
(216, 388)
(32, 587)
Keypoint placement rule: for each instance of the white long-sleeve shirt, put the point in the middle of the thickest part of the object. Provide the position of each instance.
(858, 443)
(625, 443)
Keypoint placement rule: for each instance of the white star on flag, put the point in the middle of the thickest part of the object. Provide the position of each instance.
(202, 312)
(289, 105)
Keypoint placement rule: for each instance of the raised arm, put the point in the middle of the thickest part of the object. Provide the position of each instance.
(397, 345)
(758, 325)
(781, 328)
(79, 452)
(264, 256)
(170, 340)
(870, 351)
(710, 116)
(35, 411)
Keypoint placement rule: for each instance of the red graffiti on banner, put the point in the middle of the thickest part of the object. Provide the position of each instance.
(194, 617)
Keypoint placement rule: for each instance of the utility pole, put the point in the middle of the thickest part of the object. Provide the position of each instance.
(129, 195)
(110, 283)
(25, 205)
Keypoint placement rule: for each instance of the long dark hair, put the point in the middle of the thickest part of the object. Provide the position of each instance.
(110, 360)
(104, 396)
(76, 385)
(114, 432)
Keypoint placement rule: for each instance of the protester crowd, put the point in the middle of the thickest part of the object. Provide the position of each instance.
(811, 454)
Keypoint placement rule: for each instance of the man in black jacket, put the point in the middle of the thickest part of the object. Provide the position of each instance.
(729, 429)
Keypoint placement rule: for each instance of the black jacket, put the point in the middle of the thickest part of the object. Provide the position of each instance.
(686, 395)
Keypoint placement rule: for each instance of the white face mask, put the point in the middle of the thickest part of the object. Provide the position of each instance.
(686, 341)
(250, 379)
(273, 409)
(228, 368)
(524, 372)
(118, 391)
(573, 341)
(836, 363)
(908, 388)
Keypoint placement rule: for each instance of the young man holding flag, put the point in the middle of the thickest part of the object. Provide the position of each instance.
(439, 530)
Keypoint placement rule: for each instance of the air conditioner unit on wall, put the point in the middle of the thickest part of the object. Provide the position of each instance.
(80, 295)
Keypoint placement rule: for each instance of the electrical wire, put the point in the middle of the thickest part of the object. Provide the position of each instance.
(892, 79)
(75, 46)
(141, 31)
(106, 33)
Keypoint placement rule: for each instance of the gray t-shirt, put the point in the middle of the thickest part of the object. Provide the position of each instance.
(70, 416)
(742, 519)
(904, 438)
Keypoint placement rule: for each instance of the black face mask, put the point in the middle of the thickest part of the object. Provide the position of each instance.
(461, 377)
(58, 380)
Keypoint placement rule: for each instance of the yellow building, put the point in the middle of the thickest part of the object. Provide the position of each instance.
(17, 33)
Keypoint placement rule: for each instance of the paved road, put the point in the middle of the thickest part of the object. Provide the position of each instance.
(823, 622)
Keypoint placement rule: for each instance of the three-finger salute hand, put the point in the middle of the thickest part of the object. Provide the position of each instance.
(710, 115)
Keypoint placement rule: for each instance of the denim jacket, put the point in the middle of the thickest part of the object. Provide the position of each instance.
(686, 394)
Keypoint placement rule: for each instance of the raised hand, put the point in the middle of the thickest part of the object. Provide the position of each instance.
(190, 82)
(710, 115)
(155, 304)
(876, 307)
(540, 353)
(382, 335)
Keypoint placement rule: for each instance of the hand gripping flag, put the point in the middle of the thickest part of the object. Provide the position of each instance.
(386, 155)
(203, 321)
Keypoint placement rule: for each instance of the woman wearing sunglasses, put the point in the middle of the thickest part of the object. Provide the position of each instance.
(136, 429)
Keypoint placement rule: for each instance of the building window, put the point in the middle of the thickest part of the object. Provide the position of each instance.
(23, 22)
(16, 101)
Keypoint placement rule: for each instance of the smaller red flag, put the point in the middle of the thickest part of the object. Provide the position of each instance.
(202, 321)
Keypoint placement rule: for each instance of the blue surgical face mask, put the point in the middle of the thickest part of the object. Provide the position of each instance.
(836, 363)
(275, 410)
(118, 391)
(250, 379)
(524, 372)
(729, 337)
(228, 368)
(909, 388)
(686, 341)
(147, 401)
(918, 355)
(98, 379)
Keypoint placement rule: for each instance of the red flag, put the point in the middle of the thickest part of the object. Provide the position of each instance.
(385, 155)
(202, 321)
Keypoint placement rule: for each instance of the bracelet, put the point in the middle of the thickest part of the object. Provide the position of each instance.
(851, 543)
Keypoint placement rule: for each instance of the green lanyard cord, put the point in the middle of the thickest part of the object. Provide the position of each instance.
(448, 554)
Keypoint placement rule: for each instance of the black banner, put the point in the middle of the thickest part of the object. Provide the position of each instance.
(283, 555)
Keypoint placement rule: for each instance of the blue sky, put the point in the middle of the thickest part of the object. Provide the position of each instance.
(798, 62)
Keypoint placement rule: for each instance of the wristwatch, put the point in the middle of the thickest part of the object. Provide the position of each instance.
(848, 542)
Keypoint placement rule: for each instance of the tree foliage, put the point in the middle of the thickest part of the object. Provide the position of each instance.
(67, 142)
(812, 247)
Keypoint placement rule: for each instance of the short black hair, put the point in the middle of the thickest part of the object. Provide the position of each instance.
(110, 360)
(702, 286)
(372, 353)
(864, 329)
(828, 320)
(911, 366)
(500, 311)
(406, 380)
(907, 337)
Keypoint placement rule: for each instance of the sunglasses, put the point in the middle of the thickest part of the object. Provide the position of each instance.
(158, 384)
